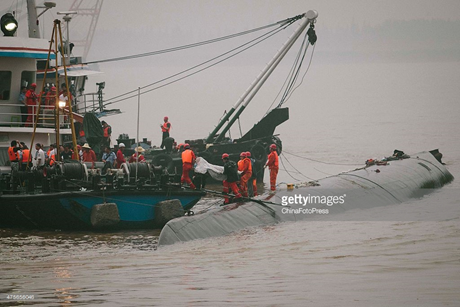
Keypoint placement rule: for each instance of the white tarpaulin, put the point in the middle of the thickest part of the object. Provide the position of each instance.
(203, 167)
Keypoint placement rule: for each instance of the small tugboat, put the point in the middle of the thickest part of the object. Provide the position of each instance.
(69, 195)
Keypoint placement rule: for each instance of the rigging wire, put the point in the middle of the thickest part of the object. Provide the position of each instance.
(288, 171)
(296, 168)
(173, 49)
(251, 43)
(308, 67)
(318, 161)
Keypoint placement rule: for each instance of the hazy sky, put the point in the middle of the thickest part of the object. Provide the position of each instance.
(131, 27)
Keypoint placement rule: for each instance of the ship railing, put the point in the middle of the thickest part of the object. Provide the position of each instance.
(15, 115)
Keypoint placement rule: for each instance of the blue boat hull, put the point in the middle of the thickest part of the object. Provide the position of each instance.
(72, 210)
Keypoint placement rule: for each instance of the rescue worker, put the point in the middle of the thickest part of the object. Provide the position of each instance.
(231, 171)
(253, 180)
(120, 156)
(107, 133)
(14, 156)
(108, 158)
(39, 156)
(138, 151)
(165, 128)
(25, 157)
(272, 163)
(244, 166)
(50, 100)
(23, 101)
(31, 101)
(88, 155)
(67, 154)
(50, 157)
(188, 160)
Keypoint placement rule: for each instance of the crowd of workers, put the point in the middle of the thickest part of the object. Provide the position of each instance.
(239, 175)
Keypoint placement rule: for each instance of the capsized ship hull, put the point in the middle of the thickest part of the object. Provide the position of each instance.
(369, 187)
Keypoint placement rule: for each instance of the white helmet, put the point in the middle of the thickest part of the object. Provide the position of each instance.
(121, 145)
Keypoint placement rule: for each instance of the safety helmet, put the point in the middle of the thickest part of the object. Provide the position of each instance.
(187, 146)
(273, 146)
(166, 118)
(243, 154)
(225, 156)
(121, 145)
(33, 85)
(248, 154)
(53, 88)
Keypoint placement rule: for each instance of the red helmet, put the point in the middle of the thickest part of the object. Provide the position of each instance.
(33, 85)
(225, 156)
(248, 154)
(187, 145)
(166, 118)
(243, 154)
(273, 146)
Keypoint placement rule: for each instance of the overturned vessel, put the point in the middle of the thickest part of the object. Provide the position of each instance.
(371, 186)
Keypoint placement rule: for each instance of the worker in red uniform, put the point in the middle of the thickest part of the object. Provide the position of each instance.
(107, 133)
(120, 157)
(244, 166)
(50, 99)
(139, 150)
(231, 171)
(272, 163)
(88, 155)
(188, 160)
(165, 128)
(253, 180)
(31, 101)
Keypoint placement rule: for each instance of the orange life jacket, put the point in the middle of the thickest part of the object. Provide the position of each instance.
(106, 131)
(14, 156)
(165, 127)
(82, 133)
(25, 155)
(188, 156)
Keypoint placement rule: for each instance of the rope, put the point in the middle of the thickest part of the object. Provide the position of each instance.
(318, 161)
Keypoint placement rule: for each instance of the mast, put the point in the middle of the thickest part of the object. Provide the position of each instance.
(310, 16)
(34, 31)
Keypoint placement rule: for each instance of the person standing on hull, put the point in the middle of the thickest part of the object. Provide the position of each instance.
(272, 163)
(253, 180)
(165, 128)
(188, 159)
(231, 171)
(14, 156)
(138, 151)
(244, 166)
(22, 100)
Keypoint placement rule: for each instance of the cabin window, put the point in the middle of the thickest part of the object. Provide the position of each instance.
(27, 78)
(5, 85)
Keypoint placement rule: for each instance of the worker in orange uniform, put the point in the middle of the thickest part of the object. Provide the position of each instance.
(188, 159)
(272, 163)
(31, 101)
(253, 180)
(107, 133)
(244, 166)
(25, 157)
(165, 128)
(14, 156)
(231, 171)
(50, 100)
